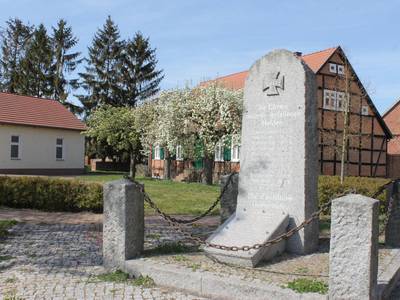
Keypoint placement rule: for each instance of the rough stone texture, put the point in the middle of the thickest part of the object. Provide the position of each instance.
(353, 258)
(278, 168)
(229, 198)
(61, 261)
(123, 227)
(392, 232)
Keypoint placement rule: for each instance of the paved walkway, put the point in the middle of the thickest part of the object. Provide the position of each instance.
(61, 261)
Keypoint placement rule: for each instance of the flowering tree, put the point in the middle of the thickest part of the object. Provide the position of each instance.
(203, 116)
(118, 128)
(213, 114)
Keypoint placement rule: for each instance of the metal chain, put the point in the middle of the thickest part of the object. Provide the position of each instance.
(179, 228)
(154, 206)
(177, 223)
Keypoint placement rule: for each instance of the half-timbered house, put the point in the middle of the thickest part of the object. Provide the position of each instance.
(352, 133)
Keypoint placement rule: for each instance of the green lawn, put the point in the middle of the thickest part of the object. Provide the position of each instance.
(172, 197)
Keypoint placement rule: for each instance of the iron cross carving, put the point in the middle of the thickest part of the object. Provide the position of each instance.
(273, 82)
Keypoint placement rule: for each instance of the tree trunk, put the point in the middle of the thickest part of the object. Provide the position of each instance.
(167, 168)
(208, 169)
(150, 162)
(132, 166)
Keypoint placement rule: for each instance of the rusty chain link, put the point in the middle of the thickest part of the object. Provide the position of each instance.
(177, 223)
(154, 206)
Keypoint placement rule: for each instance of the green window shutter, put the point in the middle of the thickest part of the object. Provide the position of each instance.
(227, 153)
(161, 153)
(227, 148)
(198, 164)
(153, 152)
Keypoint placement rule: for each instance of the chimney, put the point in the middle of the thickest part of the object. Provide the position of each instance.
(298, 54)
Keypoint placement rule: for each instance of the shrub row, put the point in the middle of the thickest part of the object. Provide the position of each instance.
(329, 186)
(71, 195)
(50, 194)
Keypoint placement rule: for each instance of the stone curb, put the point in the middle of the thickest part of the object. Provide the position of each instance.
(207, 284)
(389, 276)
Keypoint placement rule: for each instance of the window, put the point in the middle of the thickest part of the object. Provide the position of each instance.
(235, 150)
(340, 69)
(364, 110)
(157, 152)
(179, 154)
(334, 100)
(333, 68)
(340, 98)
(14, 149)
(219, 152)
(59, 149)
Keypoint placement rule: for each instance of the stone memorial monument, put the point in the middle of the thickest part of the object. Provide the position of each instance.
(278, 172)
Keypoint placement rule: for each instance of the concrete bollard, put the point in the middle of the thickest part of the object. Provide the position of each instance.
(353, 257)
(123, 223)
(392, 232)
(229, 198)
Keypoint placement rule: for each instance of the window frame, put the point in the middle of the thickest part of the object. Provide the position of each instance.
(334, 100)
(219, 152)
(340, 69)
(62, 149)
(179, 153)
(364, 110)
(235, 145)
(157, 152)
(333, 68)
(18, 144)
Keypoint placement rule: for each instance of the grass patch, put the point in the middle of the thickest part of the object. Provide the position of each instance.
(304, 285)
(122, 277)
(169, 248)
(117, 276)
(172, 197)
(5, 225)
(180, 258)
(144, 281)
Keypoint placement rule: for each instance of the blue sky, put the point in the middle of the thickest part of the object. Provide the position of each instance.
(198, 40)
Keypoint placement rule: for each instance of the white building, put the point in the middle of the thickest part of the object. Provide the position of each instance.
(39, 136)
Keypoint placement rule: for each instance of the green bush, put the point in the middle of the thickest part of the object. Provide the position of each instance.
(50, 194)
(329, 187)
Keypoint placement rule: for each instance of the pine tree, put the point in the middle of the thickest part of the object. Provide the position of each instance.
(13, 47)
(37, 65)
(140, 78)
(101, 80)
(64, 62)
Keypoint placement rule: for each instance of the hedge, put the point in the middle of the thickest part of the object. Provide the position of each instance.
(50, 194)
(71, 195)
(329, 186)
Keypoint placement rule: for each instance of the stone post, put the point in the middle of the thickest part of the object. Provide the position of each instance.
(392, 232)
(353, 257)
(229, 198)
(123, 222)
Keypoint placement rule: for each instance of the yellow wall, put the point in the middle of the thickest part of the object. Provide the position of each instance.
(38, 148)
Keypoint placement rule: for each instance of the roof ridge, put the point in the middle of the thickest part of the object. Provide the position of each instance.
(33, 97)
(312, 53)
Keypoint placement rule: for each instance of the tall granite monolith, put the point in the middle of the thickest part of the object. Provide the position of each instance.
(278, 171)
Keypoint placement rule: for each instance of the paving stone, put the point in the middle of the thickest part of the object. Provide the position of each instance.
(57, 261)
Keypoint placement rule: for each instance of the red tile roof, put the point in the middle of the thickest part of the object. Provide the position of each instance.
(236, 81)
(31, 111)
